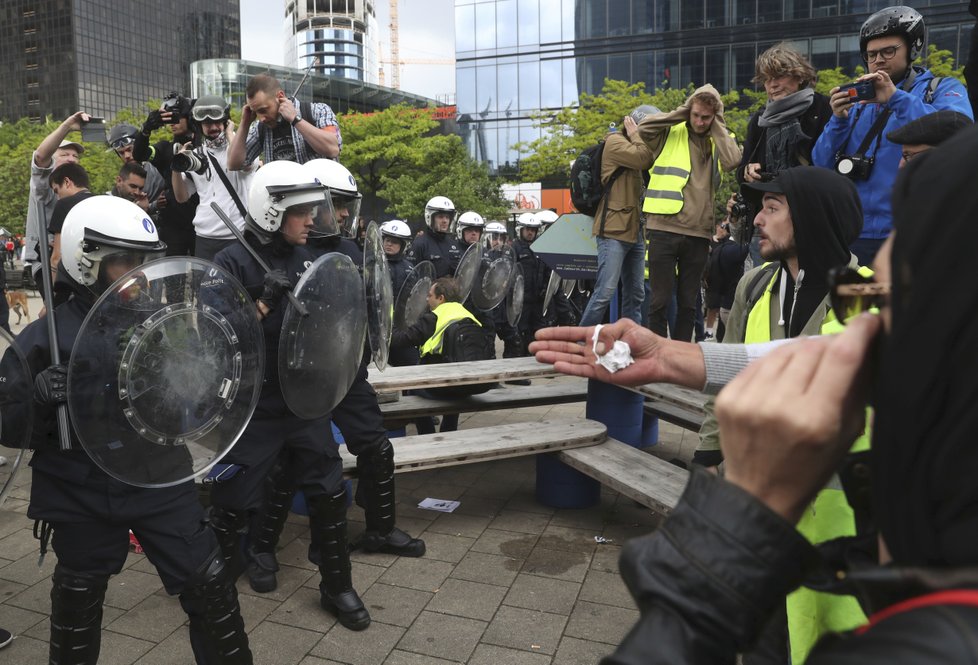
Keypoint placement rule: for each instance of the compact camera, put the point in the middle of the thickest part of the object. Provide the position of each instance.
(190, 160)
(739, 209)
(859, 91)
(854, 167)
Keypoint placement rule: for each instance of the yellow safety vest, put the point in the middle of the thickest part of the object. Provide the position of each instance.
(812, 614)
(670, 173)
(446, 313)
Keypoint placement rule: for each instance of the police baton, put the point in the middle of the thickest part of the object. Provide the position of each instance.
(64, 429)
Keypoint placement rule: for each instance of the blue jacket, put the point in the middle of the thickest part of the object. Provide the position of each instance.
(905, 106)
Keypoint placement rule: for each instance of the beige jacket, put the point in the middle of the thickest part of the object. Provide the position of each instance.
(697, 216)
(624, 197)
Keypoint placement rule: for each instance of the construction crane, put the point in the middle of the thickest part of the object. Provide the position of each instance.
(395, 59)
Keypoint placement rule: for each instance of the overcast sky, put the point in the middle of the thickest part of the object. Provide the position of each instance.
(427, 30)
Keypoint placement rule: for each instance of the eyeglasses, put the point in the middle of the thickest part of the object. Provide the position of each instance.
(213, 113)
(851, 294)
(885, 53)
(122, 142)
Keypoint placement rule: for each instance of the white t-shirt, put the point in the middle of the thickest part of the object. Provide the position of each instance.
(211, 189)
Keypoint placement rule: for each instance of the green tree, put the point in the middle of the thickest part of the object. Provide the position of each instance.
(398, 158)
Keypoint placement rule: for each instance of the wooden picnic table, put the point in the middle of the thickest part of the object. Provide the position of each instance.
(414, 377)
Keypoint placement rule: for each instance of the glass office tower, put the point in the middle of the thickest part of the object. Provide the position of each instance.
(341, 33)
(514, 57)
(99, 56)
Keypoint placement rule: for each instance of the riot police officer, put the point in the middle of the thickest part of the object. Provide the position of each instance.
(396, 236)
(282, 204)
(437, 244)
(88, 514)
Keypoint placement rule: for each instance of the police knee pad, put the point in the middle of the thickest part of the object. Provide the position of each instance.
(76, 616)
(378, 464)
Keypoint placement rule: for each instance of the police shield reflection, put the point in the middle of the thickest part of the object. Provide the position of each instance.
(380, 295)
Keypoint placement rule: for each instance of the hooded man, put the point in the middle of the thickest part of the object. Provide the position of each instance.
(807, 218)
(690, 147)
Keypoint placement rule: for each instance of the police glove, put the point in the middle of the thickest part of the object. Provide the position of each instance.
(51, 386)
(275, 286)
(153, 121)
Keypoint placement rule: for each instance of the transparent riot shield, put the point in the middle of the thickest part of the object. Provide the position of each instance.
(412, 299)
(319, 353)
(568, 287)
(380, 296)
(514, 298)
(16, 409)
(467, 272)
(495, 275)
(553, 285)
(165, 372)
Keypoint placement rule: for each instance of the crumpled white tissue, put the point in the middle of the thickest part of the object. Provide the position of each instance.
(619, 357)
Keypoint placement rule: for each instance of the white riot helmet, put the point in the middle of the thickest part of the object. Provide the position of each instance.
(546, 219)
(275, 188)
(399, 230)
(527, 221)
(342, 212)
(102, 230)
(469, 220)
(494, 231)
(439, 204)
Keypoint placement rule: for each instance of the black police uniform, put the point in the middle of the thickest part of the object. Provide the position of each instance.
(90, 515)
(509, 334)
(400, 267)
(536, 274)
(442, 249)
(305, 450)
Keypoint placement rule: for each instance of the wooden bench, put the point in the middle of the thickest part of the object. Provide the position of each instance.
(409, 407)
(679, 406)
(639, 476)
(20, 279)
(468, 446)
(456, 374)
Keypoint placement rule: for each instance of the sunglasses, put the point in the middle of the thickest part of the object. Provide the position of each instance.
(851, 294)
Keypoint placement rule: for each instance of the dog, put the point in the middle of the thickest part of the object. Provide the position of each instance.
(17, 302)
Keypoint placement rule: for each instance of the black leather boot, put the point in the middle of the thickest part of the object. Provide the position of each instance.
(217, 634)
(76, 617)
(327, 517)
(375, 493)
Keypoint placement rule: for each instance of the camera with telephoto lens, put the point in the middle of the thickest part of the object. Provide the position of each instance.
(190, 160)
(739, 208)
(178, 105)
(854, 167)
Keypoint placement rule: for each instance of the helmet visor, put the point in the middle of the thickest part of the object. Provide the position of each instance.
(114, 262)
(209, 112)
(344, 210)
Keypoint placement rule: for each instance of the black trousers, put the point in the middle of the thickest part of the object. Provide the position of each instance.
(359, 418)
(667, 253)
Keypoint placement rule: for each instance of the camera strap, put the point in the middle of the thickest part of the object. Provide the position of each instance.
(227, 184)
(875, 133)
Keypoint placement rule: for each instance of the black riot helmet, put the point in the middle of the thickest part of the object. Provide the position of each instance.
(903, 21)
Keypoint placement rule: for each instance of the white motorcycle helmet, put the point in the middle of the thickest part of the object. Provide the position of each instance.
(494, 231)
(342, 212)
(439, 204)
(546, 219)
(527, 221)
(275, 188)
(398, 230)
(469, 220)
(105, 229)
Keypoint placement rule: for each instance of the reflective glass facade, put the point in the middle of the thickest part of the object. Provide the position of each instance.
(514, 57)
(341, 33)
(59, 56)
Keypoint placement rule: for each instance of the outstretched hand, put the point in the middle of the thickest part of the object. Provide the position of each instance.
(657, 360)
(787, 420)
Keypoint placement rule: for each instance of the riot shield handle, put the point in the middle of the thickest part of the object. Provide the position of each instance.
(64, 429)
(299, 307)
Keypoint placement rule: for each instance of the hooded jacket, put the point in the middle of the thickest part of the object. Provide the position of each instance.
(697, 215)
(622, 218)
(844, 135)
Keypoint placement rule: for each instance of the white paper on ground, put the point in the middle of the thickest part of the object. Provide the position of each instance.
(441, 505)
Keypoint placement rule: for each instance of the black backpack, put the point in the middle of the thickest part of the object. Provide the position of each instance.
(463, 341)
(586, 189)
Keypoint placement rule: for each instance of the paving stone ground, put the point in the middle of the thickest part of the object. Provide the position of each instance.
(505, 580)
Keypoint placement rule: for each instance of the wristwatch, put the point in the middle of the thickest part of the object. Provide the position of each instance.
(296, 120)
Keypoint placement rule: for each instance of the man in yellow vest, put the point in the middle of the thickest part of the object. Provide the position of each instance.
(808, 216)
(691, 146)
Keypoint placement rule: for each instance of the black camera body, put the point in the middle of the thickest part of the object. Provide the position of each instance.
(739, 208)
(859, 91)
(178, 106)
(191, 160)
(854, 167)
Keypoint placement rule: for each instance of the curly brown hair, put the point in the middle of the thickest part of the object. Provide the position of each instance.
(783, 59)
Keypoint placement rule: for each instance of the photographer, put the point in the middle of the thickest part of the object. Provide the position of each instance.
(854, 141)
(175, 220)
(193, 171)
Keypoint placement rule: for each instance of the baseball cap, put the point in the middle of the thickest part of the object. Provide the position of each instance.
(931, 129)
(72, 144)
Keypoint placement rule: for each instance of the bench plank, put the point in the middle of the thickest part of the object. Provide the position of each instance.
(639, 476)
(457, 374)
(429, 451)
(686, 418)
(692, 400)
(515, 397)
